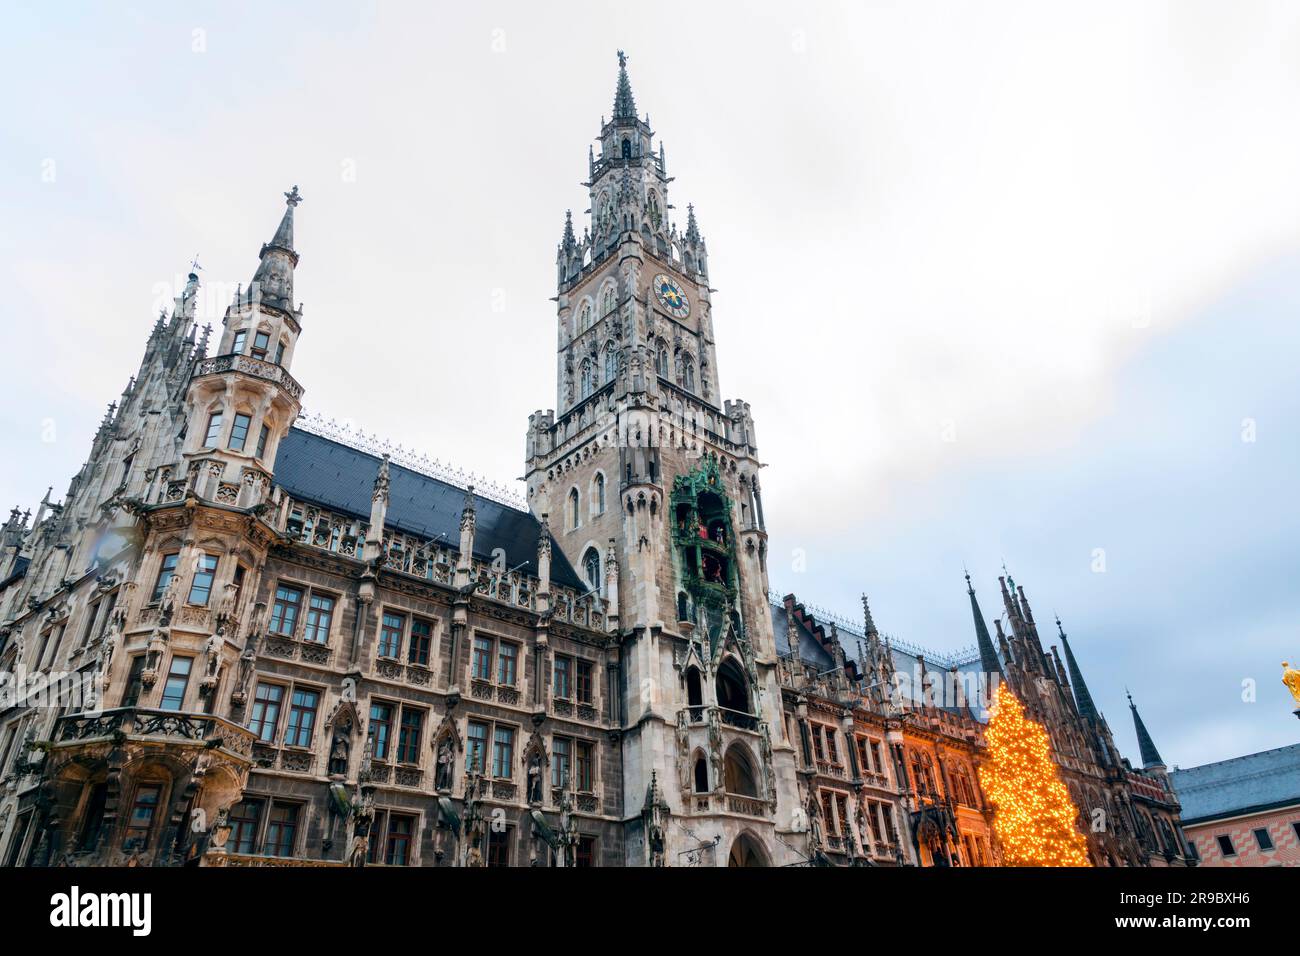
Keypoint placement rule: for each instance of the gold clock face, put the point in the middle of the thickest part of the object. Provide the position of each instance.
(671, 297)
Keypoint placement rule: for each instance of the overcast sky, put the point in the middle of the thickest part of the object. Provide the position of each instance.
(1002, 282)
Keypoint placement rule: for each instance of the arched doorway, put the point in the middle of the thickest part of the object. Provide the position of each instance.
(747, 851)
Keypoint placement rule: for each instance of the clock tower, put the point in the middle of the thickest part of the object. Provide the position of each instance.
(650, 484)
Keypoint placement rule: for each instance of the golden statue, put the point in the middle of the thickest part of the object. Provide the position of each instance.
(1291, 677)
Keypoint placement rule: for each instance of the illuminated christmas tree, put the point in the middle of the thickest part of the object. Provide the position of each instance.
(1034, 816)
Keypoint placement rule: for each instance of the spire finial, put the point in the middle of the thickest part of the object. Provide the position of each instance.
(293, 197)
(624, 104)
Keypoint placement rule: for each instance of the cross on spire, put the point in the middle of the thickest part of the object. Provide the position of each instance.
(293, 198)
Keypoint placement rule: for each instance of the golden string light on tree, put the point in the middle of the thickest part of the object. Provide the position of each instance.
(1034, 816)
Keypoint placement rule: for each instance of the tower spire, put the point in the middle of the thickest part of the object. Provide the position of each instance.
(1146, 746)
(273, 281)
(1082, 699)
(989, 662)
(624, 104)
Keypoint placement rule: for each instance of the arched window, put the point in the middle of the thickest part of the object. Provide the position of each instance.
(600, 494)
(688, 374)
(652, 207)
(733, 694)
(695, 694)
(627, 148)
(701, 774)
(591, 569)
(662, 366)
(575, 516)
(584, 318)
(587, 380)
(683, 606)
(738, 773)
(611, 361)
(607, 301)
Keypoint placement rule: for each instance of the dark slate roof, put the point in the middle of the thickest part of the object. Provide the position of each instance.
(20, 571)
(341, 478)
(815, 655)
(810, 651)
(1228, 788)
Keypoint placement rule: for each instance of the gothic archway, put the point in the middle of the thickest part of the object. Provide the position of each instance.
(747, 851)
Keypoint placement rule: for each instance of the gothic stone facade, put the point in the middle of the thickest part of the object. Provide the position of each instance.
(308, 653)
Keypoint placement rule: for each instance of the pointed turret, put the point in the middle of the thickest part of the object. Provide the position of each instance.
(624, 104)
(1082, 699)
(273, 282)
(1146, 746)
(989, 662)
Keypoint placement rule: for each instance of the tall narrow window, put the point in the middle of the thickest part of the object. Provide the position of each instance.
(398, 850)
(421, 642)
(498, 853)
(582, 766)
(503, 749)
(507, 660)
(139, 822)
(302, 717)
(244, 820)
(267, 699)
(563, 678)
(284, 613)
(408, 736)
(178, 678)
(279, 353)
(134, 684)
(281, 829)
(390, 634)
(583, 682)
(205, 569)
(591, 568)
(261, 441)
(586, 380)
(320, 614)
(482, 665)
(560, 762)
(237, 346)
(213, 434)
(239, 431)
(611, 362)
(600, 494)
(381, 729)
(476, 746)
(165, 573)
(575, 517)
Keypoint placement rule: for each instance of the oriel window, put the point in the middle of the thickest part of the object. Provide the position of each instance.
(178, 678)
(205, 569)
(239, 431)
(139, 823)
(165, 573)
(261, 342)
(213, 433)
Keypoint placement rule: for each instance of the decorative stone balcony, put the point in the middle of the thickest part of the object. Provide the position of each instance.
(247, 365)
(125, 724)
